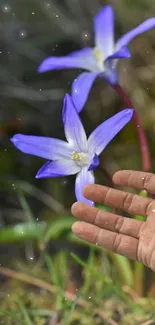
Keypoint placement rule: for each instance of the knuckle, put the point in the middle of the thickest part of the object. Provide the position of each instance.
(98, 237)
(150, 207)
(97, 217)
(151, 260)
(107, 195)
(116, 242)
(119, 224)
(141, 230)
(146, 181)
(128, 199)
(130, 177)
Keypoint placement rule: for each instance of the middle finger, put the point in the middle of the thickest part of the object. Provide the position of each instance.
(132, 203)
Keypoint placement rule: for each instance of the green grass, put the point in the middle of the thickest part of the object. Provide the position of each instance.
(98, 291)
(104, 282)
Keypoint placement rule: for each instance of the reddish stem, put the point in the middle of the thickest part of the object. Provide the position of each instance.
(142, 138)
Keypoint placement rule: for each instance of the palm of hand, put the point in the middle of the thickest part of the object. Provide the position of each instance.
(129, 237)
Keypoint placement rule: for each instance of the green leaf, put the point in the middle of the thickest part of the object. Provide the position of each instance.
(21, 232)
(78, 260)
(25, 206)
(52, 271)
(89, 272)
(57, 227)
(55, 276)
(104, 208)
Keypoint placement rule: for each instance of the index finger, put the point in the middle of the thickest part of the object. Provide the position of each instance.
(135, 179)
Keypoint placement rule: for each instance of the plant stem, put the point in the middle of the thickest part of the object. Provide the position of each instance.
(139, 278)
(146, 163)
(124, 269)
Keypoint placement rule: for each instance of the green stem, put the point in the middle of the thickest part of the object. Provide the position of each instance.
(139, 278)
(124, 268)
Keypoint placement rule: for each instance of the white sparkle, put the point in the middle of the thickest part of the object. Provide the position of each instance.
(6, 8)
(23, 33)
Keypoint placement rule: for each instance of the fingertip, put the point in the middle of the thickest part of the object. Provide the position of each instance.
(74, 207)
(76, 227)
(118, 176)
(84, 230)
(88, 190)
(115, 176)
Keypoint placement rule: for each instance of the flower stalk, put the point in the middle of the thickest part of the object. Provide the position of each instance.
(145, 153)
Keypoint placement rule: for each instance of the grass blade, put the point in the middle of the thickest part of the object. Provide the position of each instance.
(24, 313)
(68, 317)
(12, 315)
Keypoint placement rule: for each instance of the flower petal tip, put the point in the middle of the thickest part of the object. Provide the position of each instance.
(46, 65)
(67, 101)
(42, 68)
(15, 138)
(12, 139)
(128, 54)
(129, 111)
(39, 175)
(106, 9)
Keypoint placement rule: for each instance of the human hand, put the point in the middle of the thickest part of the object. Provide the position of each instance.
(132, 238)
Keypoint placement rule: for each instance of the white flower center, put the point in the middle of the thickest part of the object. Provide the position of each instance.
(80, 158)
(99, 56)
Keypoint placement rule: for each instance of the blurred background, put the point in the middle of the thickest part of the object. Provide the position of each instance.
(35, 218)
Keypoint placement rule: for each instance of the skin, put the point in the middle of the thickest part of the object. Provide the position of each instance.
(125, 236)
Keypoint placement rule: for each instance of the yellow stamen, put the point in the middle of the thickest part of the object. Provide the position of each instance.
(77, 156)
(98, 55)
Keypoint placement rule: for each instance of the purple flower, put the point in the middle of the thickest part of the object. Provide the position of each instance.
(100, 60)
(78, 155)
